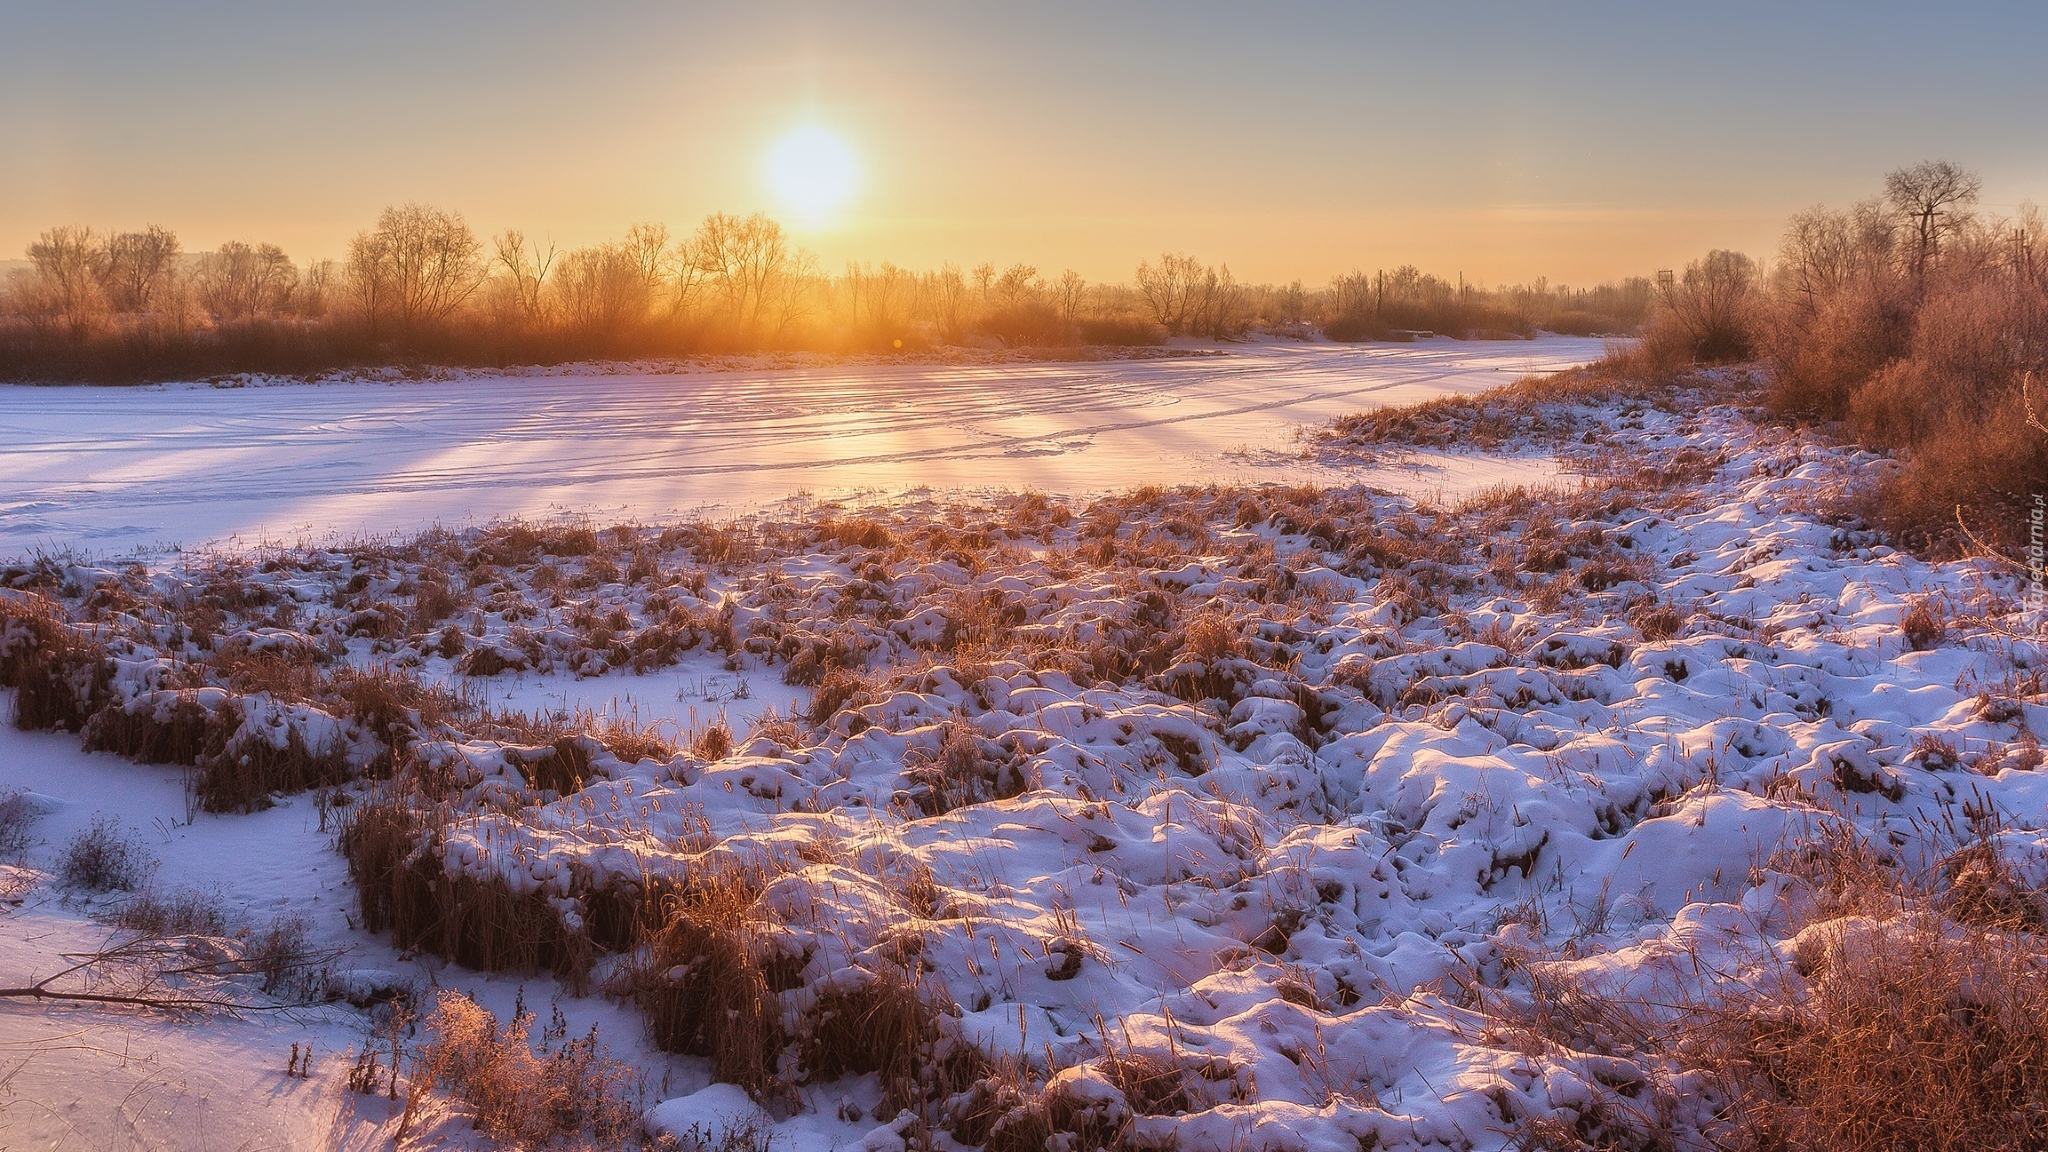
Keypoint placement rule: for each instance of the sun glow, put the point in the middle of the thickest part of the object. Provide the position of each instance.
(812, 172)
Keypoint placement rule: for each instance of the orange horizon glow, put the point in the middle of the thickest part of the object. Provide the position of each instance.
(1298, 145)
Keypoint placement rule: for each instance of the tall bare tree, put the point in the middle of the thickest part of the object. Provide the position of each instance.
(138, 269)
(1934, 197)
(1821, 252)
(415, 268)
(241, 282)
(1067, 293)
(64, 283)
(945, 293)
(603, 289)
(649, 246)
(740, 259)
(526, 273)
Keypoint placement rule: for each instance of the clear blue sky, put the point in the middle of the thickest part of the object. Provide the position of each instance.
(1506, 141)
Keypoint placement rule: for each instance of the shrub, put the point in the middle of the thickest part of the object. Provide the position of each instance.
(182, 912)
(17, 817)
(104, 858)
(576, 1092)
(1120, 333)
(281, 953)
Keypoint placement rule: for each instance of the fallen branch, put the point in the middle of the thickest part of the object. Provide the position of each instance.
(165, 1003)
(152, 956)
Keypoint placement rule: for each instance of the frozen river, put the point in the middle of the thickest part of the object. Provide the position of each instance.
(115, 470)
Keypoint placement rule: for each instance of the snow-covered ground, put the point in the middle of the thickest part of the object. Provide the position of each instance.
(77, 1078)
(119, 469)
(1275, 790)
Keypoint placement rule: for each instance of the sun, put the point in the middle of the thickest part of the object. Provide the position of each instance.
(812, 171)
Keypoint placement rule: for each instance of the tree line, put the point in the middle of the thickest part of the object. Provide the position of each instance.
(421, 286)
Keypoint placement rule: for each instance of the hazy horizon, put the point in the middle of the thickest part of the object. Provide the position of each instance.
(1497, 142)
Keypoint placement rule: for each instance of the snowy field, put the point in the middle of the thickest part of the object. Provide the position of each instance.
(1219, 820)
(120, 469)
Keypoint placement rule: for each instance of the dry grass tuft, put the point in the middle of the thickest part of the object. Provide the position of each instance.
(714, 742)
(1657, 621)
(392, 845)
(840, 688)
(183, 733)
(705, 989)
(1911, 1033)
(60, 675)
(1925, 624)
(380, 838)
(1907, 1019)
(965, 769)
(888, 1026)
(244, 774)
(17, 818)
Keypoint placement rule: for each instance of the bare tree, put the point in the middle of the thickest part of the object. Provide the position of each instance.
(239, 282)
(138, 269)
(1933, 196)
(1067, 294)
(741, 259)
(945, 292)
(1352, 296)
(793, 291)
(1170, 290)
(876, 297)
(1818, 255)
(416, 267)
(1187, 296)
(1711, 304)
(649, 245)
(603, 289)
(526, 272)
(64, 284)
(316, 289)
(1019, 284)
(1219, 308)
(1290, 304)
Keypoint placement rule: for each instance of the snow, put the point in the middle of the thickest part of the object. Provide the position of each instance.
(77, 1078)
(184, 464)
(1277, 883)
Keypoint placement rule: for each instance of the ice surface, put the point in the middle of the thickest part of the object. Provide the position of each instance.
(117, 469)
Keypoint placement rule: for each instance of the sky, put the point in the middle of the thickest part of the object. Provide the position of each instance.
(1577, 142)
